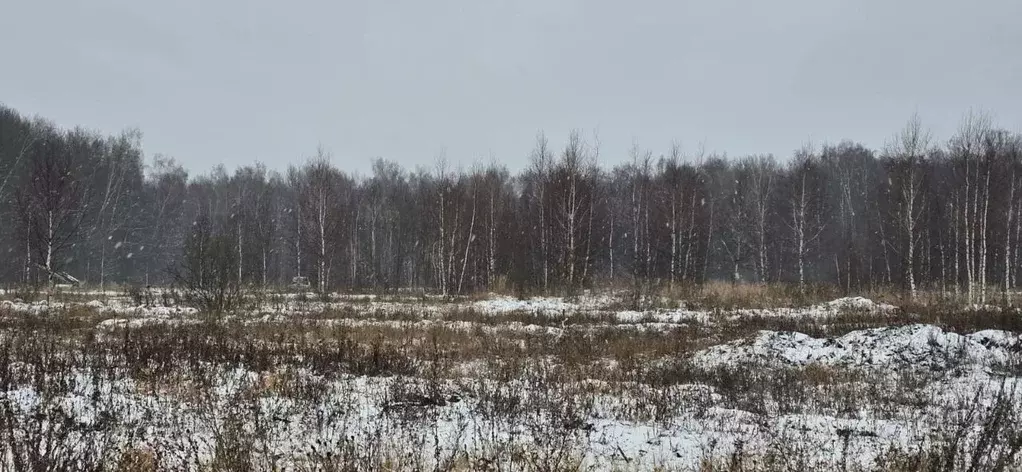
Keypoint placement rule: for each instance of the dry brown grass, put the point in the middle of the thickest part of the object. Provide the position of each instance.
(727, 295)
(138, 459)
(509, 374)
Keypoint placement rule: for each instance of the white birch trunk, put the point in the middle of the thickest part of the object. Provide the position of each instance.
(468, 245)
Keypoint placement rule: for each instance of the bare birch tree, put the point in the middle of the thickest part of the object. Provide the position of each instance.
(908, 152)
(51, 203)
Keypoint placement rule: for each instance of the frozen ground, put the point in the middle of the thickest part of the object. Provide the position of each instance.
(501, 384)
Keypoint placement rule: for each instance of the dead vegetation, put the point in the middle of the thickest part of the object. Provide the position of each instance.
(444, 386)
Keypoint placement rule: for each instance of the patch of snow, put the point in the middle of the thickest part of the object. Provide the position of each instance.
(823, 310)
(33, 308)
(122, 323)
(859, 303)
(542, 305)
(913, 346)
(629, 316)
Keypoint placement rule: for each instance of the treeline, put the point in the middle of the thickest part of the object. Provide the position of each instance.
(918, 214)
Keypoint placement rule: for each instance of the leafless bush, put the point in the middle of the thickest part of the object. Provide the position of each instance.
(24, 292)
(980, 438)
(208, 273)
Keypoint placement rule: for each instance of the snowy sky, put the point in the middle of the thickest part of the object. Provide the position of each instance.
(236, 81)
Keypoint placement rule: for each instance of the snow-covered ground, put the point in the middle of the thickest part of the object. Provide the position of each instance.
(666, 387)
(905, 347)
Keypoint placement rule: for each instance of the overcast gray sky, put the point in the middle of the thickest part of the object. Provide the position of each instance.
(235, 81)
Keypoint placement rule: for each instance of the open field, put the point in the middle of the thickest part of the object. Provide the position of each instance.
(136, 381)
(511, 236)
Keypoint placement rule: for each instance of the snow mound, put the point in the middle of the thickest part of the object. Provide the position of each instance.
(134, 323)
(858, 303)
(153, 311)
(671, 317)
(539, 305)
(43, 307)
(913, 346)
(33, 308)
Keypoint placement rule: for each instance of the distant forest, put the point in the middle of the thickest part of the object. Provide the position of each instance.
(919, 214)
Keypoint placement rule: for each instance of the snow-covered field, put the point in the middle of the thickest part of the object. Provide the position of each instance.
(497, 383)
